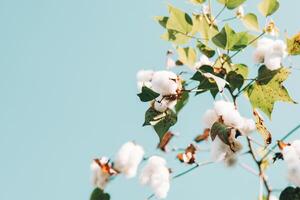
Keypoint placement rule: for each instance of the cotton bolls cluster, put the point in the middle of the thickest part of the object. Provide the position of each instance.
(230, 116)
(291, 155)
(101, 172)
(270, 52)
(157, 176)
(165, 83)
(226, 113)
(128, 159)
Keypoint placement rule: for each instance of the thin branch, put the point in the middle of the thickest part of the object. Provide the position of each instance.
(282, 139)
(219, 13)
(261, 171)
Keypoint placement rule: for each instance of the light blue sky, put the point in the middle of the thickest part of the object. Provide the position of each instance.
(68, 94)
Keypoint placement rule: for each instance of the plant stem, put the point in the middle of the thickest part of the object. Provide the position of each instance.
(252, 41)
(282, 139)
(261, 171)
(219, 13)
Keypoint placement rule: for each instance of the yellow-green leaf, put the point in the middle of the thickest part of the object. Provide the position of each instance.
(201, 25)
(263, 94)
(197, 1)
(268, 7)
(187, 56)
(179, 21)
(250, 21)
(293, 44)
(232, 4)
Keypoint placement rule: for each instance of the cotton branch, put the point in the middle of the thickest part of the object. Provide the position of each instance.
(261, 171)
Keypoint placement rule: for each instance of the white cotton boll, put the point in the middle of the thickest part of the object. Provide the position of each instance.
(99, 178)
(233, 118)
(263, 46)
(144, 75)
(141, 84)
(128, 159)
(248, 127)
(272, 61)
(209, 118)
(292, 160)
(218, 150)
(222, 107)
(165, 82)
(296, 145)
(274, 56)
(162, 104)
(157, 176)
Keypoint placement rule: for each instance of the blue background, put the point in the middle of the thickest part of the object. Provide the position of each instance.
(68, 94)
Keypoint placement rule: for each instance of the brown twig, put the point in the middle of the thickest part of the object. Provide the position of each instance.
(261, 171)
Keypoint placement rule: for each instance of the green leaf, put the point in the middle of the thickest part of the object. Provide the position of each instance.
(232, 4)
(268, 89)
(241, 69)
(152, 116)
(250, 21)
(179, 21)
(205, 49)
(290, 193)
(226, 38)
(187, 56)
(147, 94)
(197, 1)
(202, 25)
(242, 39)
(182, 101)
(162, 20)
(293, 45)
(235, 80)
(164, 124)
(222, 131)
(268, 7)
(99, 194)
(206, 84)
(175, 37)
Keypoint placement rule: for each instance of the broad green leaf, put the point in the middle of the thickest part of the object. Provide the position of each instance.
(182, 101)
(152, 116)
(147, 94)
(179, 21)
(202, 25)
(225, 39)
(235, 80)
(175, 37)
(290, 193)
(263, 94)
(241, 69)
(162, 20)
(232, 4)
(268, 7)
(242, 39)
(250, 21)
(209, 52)
(236, 77)
(222, 131)
(187, 56)
(99, 194)
(293, 44)
(197, 1)
(205, 83)
(164, 124)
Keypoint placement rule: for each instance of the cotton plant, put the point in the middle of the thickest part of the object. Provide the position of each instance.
(203, 59)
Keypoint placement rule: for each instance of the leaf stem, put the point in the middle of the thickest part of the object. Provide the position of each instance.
(219, 13)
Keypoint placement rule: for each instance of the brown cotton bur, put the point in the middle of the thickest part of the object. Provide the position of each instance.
(165, 141)
(189, 156)
(203, 136)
